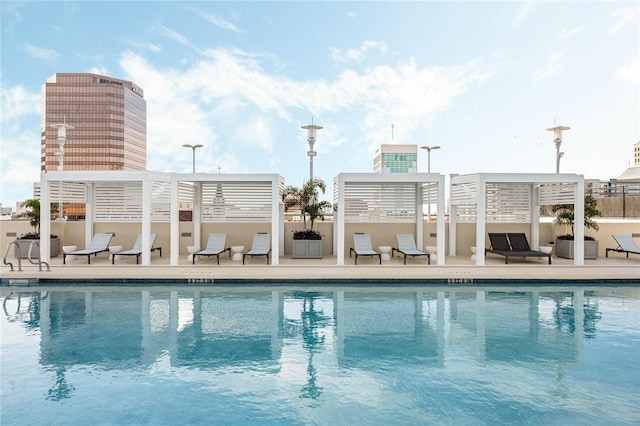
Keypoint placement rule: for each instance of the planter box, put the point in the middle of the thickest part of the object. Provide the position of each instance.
(23, 248)
(307, 249)
(564, 249)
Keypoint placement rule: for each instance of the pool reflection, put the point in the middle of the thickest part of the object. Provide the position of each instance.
(210, 330)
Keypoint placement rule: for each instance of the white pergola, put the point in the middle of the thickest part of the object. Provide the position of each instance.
(146, 197)
(513, 198)
(228, 198)
(109, 196)
(387, 198)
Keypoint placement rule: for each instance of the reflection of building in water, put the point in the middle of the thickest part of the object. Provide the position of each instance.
(210, 330)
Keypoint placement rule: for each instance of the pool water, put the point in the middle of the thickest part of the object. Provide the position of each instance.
(329, 355)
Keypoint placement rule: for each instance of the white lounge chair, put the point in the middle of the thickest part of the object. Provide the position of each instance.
(625, 245)
(261, 246)
(215, 247)
(407, 247)
(136, 250)
(98, 244)
(362, 246)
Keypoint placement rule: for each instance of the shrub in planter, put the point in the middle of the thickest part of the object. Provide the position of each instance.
(307, 234)
(24, 241)
(566, 216)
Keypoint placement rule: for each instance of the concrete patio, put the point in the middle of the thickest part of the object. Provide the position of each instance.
(458, 269)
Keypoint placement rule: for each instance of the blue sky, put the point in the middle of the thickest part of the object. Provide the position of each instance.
(481, 79)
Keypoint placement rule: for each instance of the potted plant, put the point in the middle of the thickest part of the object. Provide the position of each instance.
(25, 240)
(566, 216)
(307, 243)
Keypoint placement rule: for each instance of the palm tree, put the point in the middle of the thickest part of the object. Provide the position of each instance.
(307, 198)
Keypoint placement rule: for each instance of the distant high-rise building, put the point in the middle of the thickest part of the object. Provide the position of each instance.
(109, 119)
(391, 158)
(636, 154)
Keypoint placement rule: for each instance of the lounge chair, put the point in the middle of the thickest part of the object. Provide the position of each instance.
(215, 247)
(137, 249)
(362, 247)
(261, 246)
(513, 245)
(625, 245)
(98, 244)
(407, 247)
(521, 248)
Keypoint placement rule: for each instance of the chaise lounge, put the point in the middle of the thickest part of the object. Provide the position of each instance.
(407, 247)
(625, 245)
(136, 250)
(215, 247)
(99, 243)
(362, 246)
(513, 245)
(261, 246)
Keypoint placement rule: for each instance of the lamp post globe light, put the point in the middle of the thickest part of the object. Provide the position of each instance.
(193, 149)
(429, 149)
(62, 139)
(311, 137)
(557, 140)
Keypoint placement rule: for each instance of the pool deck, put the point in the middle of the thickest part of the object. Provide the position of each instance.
(457, 269)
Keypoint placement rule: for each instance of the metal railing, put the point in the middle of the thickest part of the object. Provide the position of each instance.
(18, 252)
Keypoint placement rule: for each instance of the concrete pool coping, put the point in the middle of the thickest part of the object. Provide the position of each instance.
(457, 269)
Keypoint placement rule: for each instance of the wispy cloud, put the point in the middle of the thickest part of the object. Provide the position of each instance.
(219, 22)
(48, 55)
(622, 17)
(148, 46)
(177, 37)
(569, 32)
(522, 13)
(357, 54)
(555, 65)
(631, 72)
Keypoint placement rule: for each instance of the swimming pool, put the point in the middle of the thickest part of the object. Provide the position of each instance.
(320, 355)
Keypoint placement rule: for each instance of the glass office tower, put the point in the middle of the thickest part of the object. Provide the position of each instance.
(109, 119)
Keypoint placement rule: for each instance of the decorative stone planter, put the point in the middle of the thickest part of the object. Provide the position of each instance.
(23, 248)
(564, 249)
(307, 249)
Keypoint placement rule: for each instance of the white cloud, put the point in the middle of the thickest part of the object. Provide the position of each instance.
(148, 46)
(359, 54)
(631, 72)
(569, 32)
(177, 37)
(522, 13)
(48, 55)
(227, 99)
(17, 102)
(623, 17)
(555, 65)
(220, 22)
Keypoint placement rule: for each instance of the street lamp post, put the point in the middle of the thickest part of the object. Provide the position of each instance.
(429, 149)
(557, 140)
(193, 149)
(62, 139)
(311, 137)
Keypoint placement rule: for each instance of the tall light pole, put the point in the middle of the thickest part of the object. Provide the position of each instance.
(193, 149)
(557, 139)
(311, 137)
(62, 139)
(429, 149)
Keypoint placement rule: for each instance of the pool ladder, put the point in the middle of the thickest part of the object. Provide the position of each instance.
(19, 257)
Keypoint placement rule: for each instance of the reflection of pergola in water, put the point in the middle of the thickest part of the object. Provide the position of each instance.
(212, 329)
